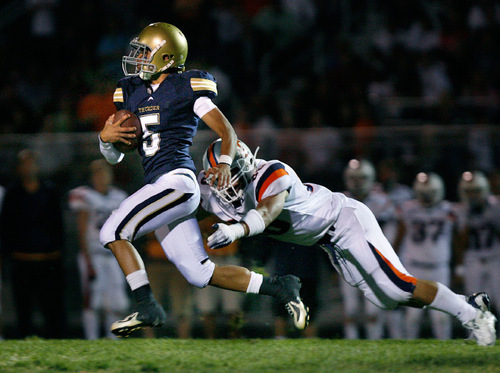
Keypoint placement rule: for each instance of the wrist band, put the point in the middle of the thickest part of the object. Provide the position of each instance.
(255, 222)
(226, 159)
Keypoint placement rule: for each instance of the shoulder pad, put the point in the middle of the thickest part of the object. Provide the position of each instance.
(202, 83)
(272, 173)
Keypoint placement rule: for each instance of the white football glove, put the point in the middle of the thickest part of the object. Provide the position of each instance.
(225, 235)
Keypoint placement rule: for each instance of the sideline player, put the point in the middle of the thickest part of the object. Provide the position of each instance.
(427, 227)
(479, 223)
(359, 179)
(103, 285)
(169, 103)
(268, 196)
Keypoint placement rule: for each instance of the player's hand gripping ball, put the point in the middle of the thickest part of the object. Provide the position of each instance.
(132, 121)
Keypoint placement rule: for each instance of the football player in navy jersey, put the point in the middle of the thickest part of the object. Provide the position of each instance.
(169, 103)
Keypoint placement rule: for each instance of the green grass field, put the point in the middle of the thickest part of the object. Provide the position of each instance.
(246, 355)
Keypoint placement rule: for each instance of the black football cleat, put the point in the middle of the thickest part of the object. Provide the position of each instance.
(289, 293)
(148, 314)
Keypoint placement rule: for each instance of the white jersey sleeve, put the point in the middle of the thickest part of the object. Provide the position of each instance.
(271, 180)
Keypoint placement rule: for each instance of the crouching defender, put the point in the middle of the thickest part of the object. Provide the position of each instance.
(169, 103)
(268, 197)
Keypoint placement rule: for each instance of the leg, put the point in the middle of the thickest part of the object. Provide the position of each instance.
(193, 262)
(172, 198)
(366, 259)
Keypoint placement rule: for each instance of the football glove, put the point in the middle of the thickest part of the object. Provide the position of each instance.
(225, 234)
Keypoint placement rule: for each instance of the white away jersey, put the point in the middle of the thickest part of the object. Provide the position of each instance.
(429, 232)
(309, 209)
(483, 227)
(99, 206)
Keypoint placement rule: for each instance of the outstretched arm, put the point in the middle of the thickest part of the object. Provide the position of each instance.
(254, 222)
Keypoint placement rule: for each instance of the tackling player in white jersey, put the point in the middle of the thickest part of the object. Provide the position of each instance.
(268, 197)
(359, 179)
(102, 281)
(426, 229)
(479, 220)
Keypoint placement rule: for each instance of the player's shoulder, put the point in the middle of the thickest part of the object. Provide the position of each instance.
(264, 168)
(125, 87)
(82, 190)
(80, 197)
(129, 82)
(197, 82)
(271, 177)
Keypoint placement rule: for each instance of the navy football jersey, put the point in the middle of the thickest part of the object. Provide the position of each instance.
(167, 117)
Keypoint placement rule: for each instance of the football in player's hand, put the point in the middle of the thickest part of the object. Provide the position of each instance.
(132, 121)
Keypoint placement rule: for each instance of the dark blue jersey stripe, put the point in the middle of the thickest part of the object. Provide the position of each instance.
(399, 282)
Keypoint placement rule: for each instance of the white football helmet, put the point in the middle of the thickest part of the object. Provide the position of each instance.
(474, 188)
(429, 188)
(242, 170)
(359, 177)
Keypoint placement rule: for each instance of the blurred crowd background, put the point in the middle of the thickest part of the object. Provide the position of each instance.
(411, 86)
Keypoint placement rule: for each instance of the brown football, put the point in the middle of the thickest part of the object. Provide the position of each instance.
(132, 121)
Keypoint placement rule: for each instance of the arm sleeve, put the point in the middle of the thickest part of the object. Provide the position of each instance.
(203, 105)
(109, 152)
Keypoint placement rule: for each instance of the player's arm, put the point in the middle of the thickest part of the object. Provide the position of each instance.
(254, 222)
(216, 120)
(82, 223)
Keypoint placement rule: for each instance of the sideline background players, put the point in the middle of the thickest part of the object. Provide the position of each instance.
(102, 282)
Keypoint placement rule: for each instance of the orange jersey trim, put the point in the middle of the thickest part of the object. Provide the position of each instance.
(272, 177)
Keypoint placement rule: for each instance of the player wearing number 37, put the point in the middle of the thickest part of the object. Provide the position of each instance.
(268, 197)
(169, 103)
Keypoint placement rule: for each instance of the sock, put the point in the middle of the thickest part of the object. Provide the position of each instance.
(139, 284)
(143, 294)
(137, 279)
(268, 286)
(453, 304)
(255, 283)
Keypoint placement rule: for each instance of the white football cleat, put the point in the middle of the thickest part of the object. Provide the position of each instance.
(483, 328)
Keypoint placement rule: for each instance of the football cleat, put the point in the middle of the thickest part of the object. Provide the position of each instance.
(148, 314)
(483, 328)
(480, 301)
(289, 294)
(299, 313)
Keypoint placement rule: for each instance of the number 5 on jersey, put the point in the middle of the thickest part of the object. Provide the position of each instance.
(150, 139)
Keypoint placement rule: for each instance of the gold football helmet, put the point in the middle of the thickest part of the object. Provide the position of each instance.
(159, 47)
